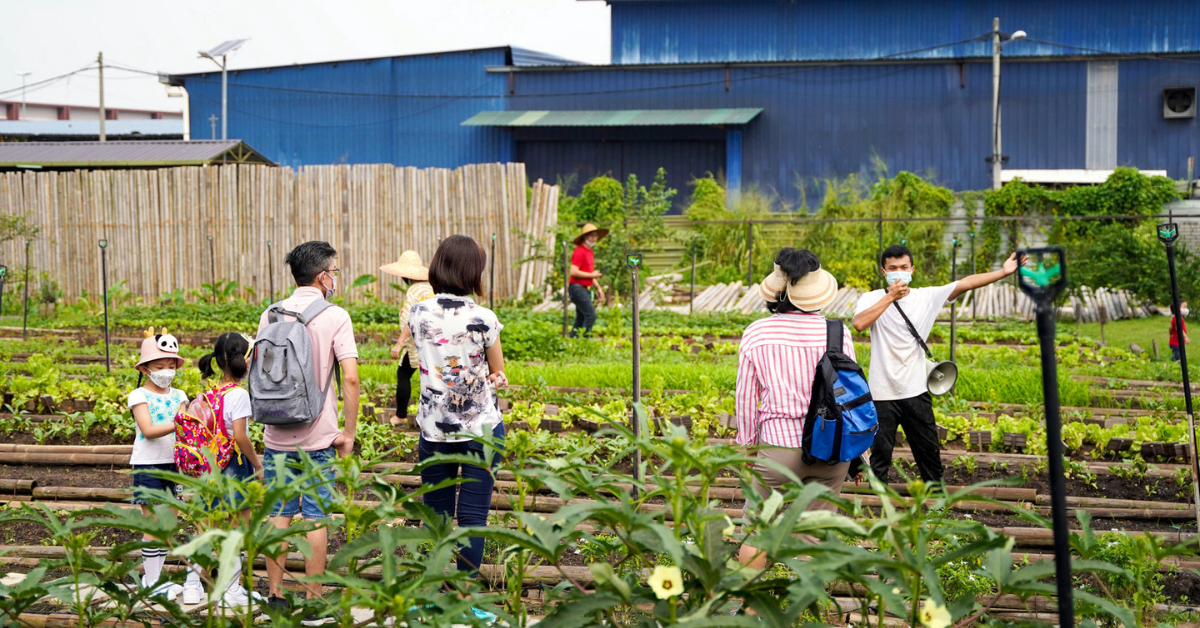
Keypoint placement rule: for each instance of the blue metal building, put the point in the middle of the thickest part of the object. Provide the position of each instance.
(816, 90)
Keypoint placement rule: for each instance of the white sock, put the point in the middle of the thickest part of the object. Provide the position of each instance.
(236, 583)
(152, 564)
(193, 577)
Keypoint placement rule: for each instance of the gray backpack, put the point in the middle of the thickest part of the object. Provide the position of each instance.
(282, 380)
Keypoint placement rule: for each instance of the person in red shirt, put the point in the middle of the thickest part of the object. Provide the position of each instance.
(583, 277)
(1183, 309)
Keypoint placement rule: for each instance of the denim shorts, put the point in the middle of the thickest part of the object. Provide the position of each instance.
(243, 471)
(304, 505)
(143, 482)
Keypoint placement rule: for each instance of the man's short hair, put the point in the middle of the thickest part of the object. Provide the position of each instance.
(309, 260)
(457, 267)
(895, 251)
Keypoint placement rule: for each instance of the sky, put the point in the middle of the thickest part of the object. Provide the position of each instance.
(54, 37)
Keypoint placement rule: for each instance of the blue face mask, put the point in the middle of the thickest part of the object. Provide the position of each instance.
(899, 275)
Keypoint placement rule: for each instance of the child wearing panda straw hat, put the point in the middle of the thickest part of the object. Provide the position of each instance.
(154, 405)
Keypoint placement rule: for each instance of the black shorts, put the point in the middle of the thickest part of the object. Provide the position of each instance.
(144, 482)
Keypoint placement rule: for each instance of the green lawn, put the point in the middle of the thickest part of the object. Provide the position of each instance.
(1142, 331)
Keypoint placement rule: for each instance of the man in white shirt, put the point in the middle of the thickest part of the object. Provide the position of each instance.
(897, 375)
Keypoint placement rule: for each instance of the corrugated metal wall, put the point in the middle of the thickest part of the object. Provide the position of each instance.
(1144, 138)
(822, 122)
(796, 30)
(371, 111)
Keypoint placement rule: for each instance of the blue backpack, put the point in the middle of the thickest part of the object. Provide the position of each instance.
(841, 421)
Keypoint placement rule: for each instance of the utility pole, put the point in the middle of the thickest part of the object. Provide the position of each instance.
(996, 103)
(103, 115)
(212, 121)
(23, 76)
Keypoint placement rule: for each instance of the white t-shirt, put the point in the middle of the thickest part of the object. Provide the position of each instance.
(897, 361)
(162, 409)
(237, 406)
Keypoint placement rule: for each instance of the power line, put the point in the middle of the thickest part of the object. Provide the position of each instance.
(45, 82)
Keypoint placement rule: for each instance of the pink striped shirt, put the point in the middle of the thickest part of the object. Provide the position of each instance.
(777, 360)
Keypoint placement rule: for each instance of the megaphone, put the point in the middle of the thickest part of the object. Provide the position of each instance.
(940, 376)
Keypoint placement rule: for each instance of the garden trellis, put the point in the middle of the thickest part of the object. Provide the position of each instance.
(158, 221)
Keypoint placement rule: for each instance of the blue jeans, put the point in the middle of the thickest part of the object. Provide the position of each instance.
(305, 505)
(1174, 353)
(468, 502)
(585, 311)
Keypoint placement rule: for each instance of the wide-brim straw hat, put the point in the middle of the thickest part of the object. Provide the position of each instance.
(814, 292)
(408, 266)
(589, 228)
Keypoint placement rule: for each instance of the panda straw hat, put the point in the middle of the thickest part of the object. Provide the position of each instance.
(159, 346)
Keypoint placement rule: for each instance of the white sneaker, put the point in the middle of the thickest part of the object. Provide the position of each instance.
(193, 595)
(168, 589)
(235, 597)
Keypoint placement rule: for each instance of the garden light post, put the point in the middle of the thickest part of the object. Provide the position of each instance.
(692, 290)
(212, 255)
(104, 293)
(974, 301)
(492, 281)
(635, 263)
(25, 317)
(1169, 233)
(223, 51)
(953, 305)
(271, 270)
(999, 40)
(1043, 284)
(3, 276)
(566, 283)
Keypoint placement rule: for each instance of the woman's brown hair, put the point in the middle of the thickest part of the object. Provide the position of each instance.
(457, 267)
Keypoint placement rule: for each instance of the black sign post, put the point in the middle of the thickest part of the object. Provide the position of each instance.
(1168, 233)
(104, 294)
(1043, 283)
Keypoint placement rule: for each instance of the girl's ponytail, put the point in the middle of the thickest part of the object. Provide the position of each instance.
(206, 370)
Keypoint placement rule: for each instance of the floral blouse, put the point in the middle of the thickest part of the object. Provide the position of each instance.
(452, 335)
(417, 292)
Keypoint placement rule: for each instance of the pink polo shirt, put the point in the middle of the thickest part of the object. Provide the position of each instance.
(332, 336)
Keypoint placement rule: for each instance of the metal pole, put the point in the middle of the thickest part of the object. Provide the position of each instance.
(566, 283)
(224, 101)
(1043, 291)
(635, 262)
(104, 283)
(974, 302)
(103, 115)
(271, 269)
(996, 103)
(879, 252)
(750, 253)
(1169, 233)
(3, 276)
(24, 75)
(25, 318)
(492, 281)
(692, 291)
(212, 254)
(954, 305)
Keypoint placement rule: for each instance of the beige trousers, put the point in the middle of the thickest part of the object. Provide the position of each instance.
(818, 472)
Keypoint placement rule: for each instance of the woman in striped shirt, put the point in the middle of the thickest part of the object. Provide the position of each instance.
(777, 361)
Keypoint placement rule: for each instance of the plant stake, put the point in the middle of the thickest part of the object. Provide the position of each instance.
(104, 283)
(271, 270)
(566, 283)
(1043, 285)
(692, 291)
(25, 317)
(634, 260)
(492, 281)
(1169, 233)
(212, 255)
(3, 275)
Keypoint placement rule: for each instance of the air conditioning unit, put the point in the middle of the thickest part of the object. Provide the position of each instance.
(1179, 103)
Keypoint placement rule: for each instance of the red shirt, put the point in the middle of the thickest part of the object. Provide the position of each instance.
(584, 259)
(777, 361)
(1174, 338)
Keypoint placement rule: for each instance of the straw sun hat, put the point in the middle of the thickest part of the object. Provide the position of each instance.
(814, 292)
(408, 266)
(589, 228)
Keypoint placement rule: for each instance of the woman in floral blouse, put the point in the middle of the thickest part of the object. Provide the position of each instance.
(461, 366)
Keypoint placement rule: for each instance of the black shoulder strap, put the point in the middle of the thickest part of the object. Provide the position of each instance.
(913, 329)
(834, 335)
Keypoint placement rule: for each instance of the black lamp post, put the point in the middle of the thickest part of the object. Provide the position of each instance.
(1043, 284)
(3, 276)
(1168, 233)
(634, 260)
(25, 317)
(104, 284)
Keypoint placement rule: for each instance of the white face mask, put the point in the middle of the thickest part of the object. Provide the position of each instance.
(331, 289)
(163, 378)
(899, 275)
(1183, 310)
(589, 244)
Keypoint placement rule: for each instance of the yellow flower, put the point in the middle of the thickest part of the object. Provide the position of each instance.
(729, 527)
(667, 582)
(934, 615)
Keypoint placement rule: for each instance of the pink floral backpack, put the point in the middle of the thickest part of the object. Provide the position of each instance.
(200, 429)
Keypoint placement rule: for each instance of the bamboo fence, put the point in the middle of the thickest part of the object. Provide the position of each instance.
(158, 222)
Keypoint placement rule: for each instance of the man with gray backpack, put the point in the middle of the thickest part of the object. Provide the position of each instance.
(303, 344)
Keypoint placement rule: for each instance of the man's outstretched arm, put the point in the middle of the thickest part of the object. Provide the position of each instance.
(980, 280)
